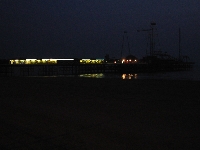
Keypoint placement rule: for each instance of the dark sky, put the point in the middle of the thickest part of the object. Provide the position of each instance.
(93, 28)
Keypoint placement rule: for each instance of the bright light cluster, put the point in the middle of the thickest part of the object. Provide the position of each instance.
(129, 61)
(35, 61)
(91, 61)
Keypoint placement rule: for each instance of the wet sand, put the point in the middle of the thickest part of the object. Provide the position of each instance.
(85, 113)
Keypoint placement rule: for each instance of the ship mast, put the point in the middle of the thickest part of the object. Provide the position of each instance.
(179, 44)
(152, 42)
(125, 36)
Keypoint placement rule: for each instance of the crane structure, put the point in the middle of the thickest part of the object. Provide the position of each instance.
(125, 37)
(152, 42)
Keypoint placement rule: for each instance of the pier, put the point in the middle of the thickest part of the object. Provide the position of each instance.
(9, 70)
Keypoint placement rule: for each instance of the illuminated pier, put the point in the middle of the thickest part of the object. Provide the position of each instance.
(62, 67)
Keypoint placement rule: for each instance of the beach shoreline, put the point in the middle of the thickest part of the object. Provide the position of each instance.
(108, 113)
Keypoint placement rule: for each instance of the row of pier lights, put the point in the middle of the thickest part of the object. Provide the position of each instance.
(71, 61)
(129, 61)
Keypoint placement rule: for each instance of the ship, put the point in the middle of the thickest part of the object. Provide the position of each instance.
(159, 61)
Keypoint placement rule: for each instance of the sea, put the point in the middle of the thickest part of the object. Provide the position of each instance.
(191, 74)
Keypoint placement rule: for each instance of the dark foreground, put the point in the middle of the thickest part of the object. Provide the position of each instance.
(83, 113)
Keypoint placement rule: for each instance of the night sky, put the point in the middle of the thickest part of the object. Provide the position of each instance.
(93, 28)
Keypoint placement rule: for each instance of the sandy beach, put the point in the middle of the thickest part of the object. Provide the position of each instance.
(84, 113)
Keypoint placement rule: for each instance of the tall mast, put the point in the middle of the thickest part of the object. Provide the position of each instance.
(152, 39)
(125, 37)
(179, 43)
(152, 42)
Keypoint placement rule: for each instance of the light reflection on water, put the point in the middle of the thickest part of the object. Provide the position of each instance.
(96, 75)
(193, 74)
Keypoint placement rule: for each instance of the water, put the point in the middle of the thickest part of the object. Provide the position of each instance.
(192, 74)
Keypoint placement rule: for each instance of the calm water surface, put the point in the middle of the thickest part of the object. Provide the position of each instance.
(192, 74)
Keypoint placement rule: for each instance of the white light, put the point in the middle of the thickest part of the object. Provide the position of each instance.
(30, 59)
(65, 59)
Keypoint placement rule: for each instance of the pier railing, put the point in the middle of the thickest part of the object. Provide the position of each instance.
(76, 69)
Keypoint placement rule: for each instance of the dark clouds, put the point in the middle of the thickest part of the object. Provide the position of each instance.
(92, 28)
